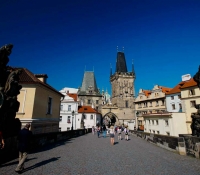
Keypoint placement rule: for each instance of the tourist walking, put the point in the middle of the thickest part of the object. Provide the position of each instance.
(104, 131)
(98, 131)
(24, 145)
(112, 135)
(119, 132)
(2, 143)
(126, 131)
(93, 130)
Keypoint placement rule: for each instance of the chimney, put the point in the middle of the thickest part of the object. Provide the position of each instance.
(42, 77)
(186, 77)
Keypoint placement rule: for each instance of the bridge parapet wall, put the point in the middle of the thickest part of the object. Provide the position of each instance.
(184, 144)
(38, 140)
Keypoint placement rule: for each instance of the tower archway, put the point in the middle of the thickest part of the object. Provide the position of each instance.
(110, 119)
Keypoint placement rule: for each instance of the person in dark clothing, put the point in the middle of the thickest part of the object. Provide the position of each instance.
(24, 144)
(104, 131)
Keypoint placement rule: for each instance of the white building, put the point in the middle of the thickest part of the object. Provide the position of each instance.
(173, 97)
(68, 109)
(171, 124)
(89, 116)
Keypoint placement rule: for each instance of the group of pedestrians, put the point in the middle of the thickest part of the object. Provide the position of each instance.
(120, 131)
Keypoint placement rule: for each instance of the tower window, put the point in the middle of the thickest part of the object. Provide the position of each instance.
(126, 104)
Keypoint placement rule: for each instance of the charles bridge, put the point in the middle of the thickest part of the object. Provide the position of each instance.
(81, 152)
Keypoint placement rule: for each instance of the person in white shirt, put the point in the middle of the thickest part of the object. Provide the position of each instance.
(126, 132)
(112, 135)
(119, 132)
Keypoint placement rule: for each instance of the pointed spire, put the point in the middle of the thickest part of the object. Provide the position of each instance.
(133, 67)
(121, 62)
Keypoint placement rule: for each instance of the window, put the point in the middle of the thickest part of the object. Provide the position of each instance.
(179, 96)
(61, 107)
(150, 104)
(158, 132)
(68, 119)
(166, 123)
(68, 129)
(157, 104)
(152, 122)
(97, 101)
(97, 108)
(173, 106)
(163, 102)
(126, 104)
(191, 92)
(172, 97)
(89, 101)
(150, 131)
(192, 103)
(145, 104)
(150, 112)
(168, 133)
(69, 107)
(60, 118)
(149, 122)
(91, 117)
(153, 131)
(156, 122)
(84, 116)
(49, 108)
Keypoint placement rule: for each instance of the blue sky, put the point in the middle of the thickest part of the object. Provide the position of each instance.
(65, 37)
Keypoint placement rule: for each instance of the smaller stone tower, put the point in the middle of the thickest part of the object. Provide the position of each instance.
(89, 94)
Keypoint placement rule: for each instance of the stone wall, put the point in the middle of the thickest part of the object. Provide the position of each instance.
(184, 144)
(11, 144)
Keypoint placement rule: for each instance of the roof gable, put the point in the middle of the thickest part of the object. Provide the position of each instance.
(27, 77)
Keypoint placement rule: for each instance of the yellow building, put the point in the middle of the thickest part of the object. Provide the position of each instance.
(39, 103)
(190, 96)
(150, 101)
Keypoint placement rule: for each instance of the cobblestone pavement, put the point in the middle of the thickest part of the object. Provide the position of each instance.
(89, 155)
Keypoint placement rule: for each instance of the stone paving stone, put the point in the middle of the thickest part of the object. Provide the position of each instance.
(89, 155)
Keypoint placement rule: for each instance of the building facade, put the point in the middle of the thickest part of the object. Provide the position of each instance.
(39, 103)
(150, 101)
(88, 117)
(69, 110)
(171, 124)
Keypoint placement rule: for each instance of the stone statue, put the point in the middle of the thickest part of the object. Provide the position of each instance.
(197, 78)
(195, 126)
(9, 89)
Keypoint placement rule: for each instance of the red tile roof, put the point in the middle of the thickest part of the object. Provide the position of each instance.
(27, 77)
(146, 92)
(73, 95)
(182, 85)
(165, 89)
(86, 109)
(176, 89)
(189, 83)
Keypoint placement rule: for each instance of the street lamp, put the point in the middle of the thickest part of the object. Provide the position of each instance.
(72, 120)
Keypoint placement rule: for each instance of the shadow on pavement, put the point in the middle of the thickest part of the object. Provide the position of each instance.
(50, 146)
(41, 164)
(16, 162)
